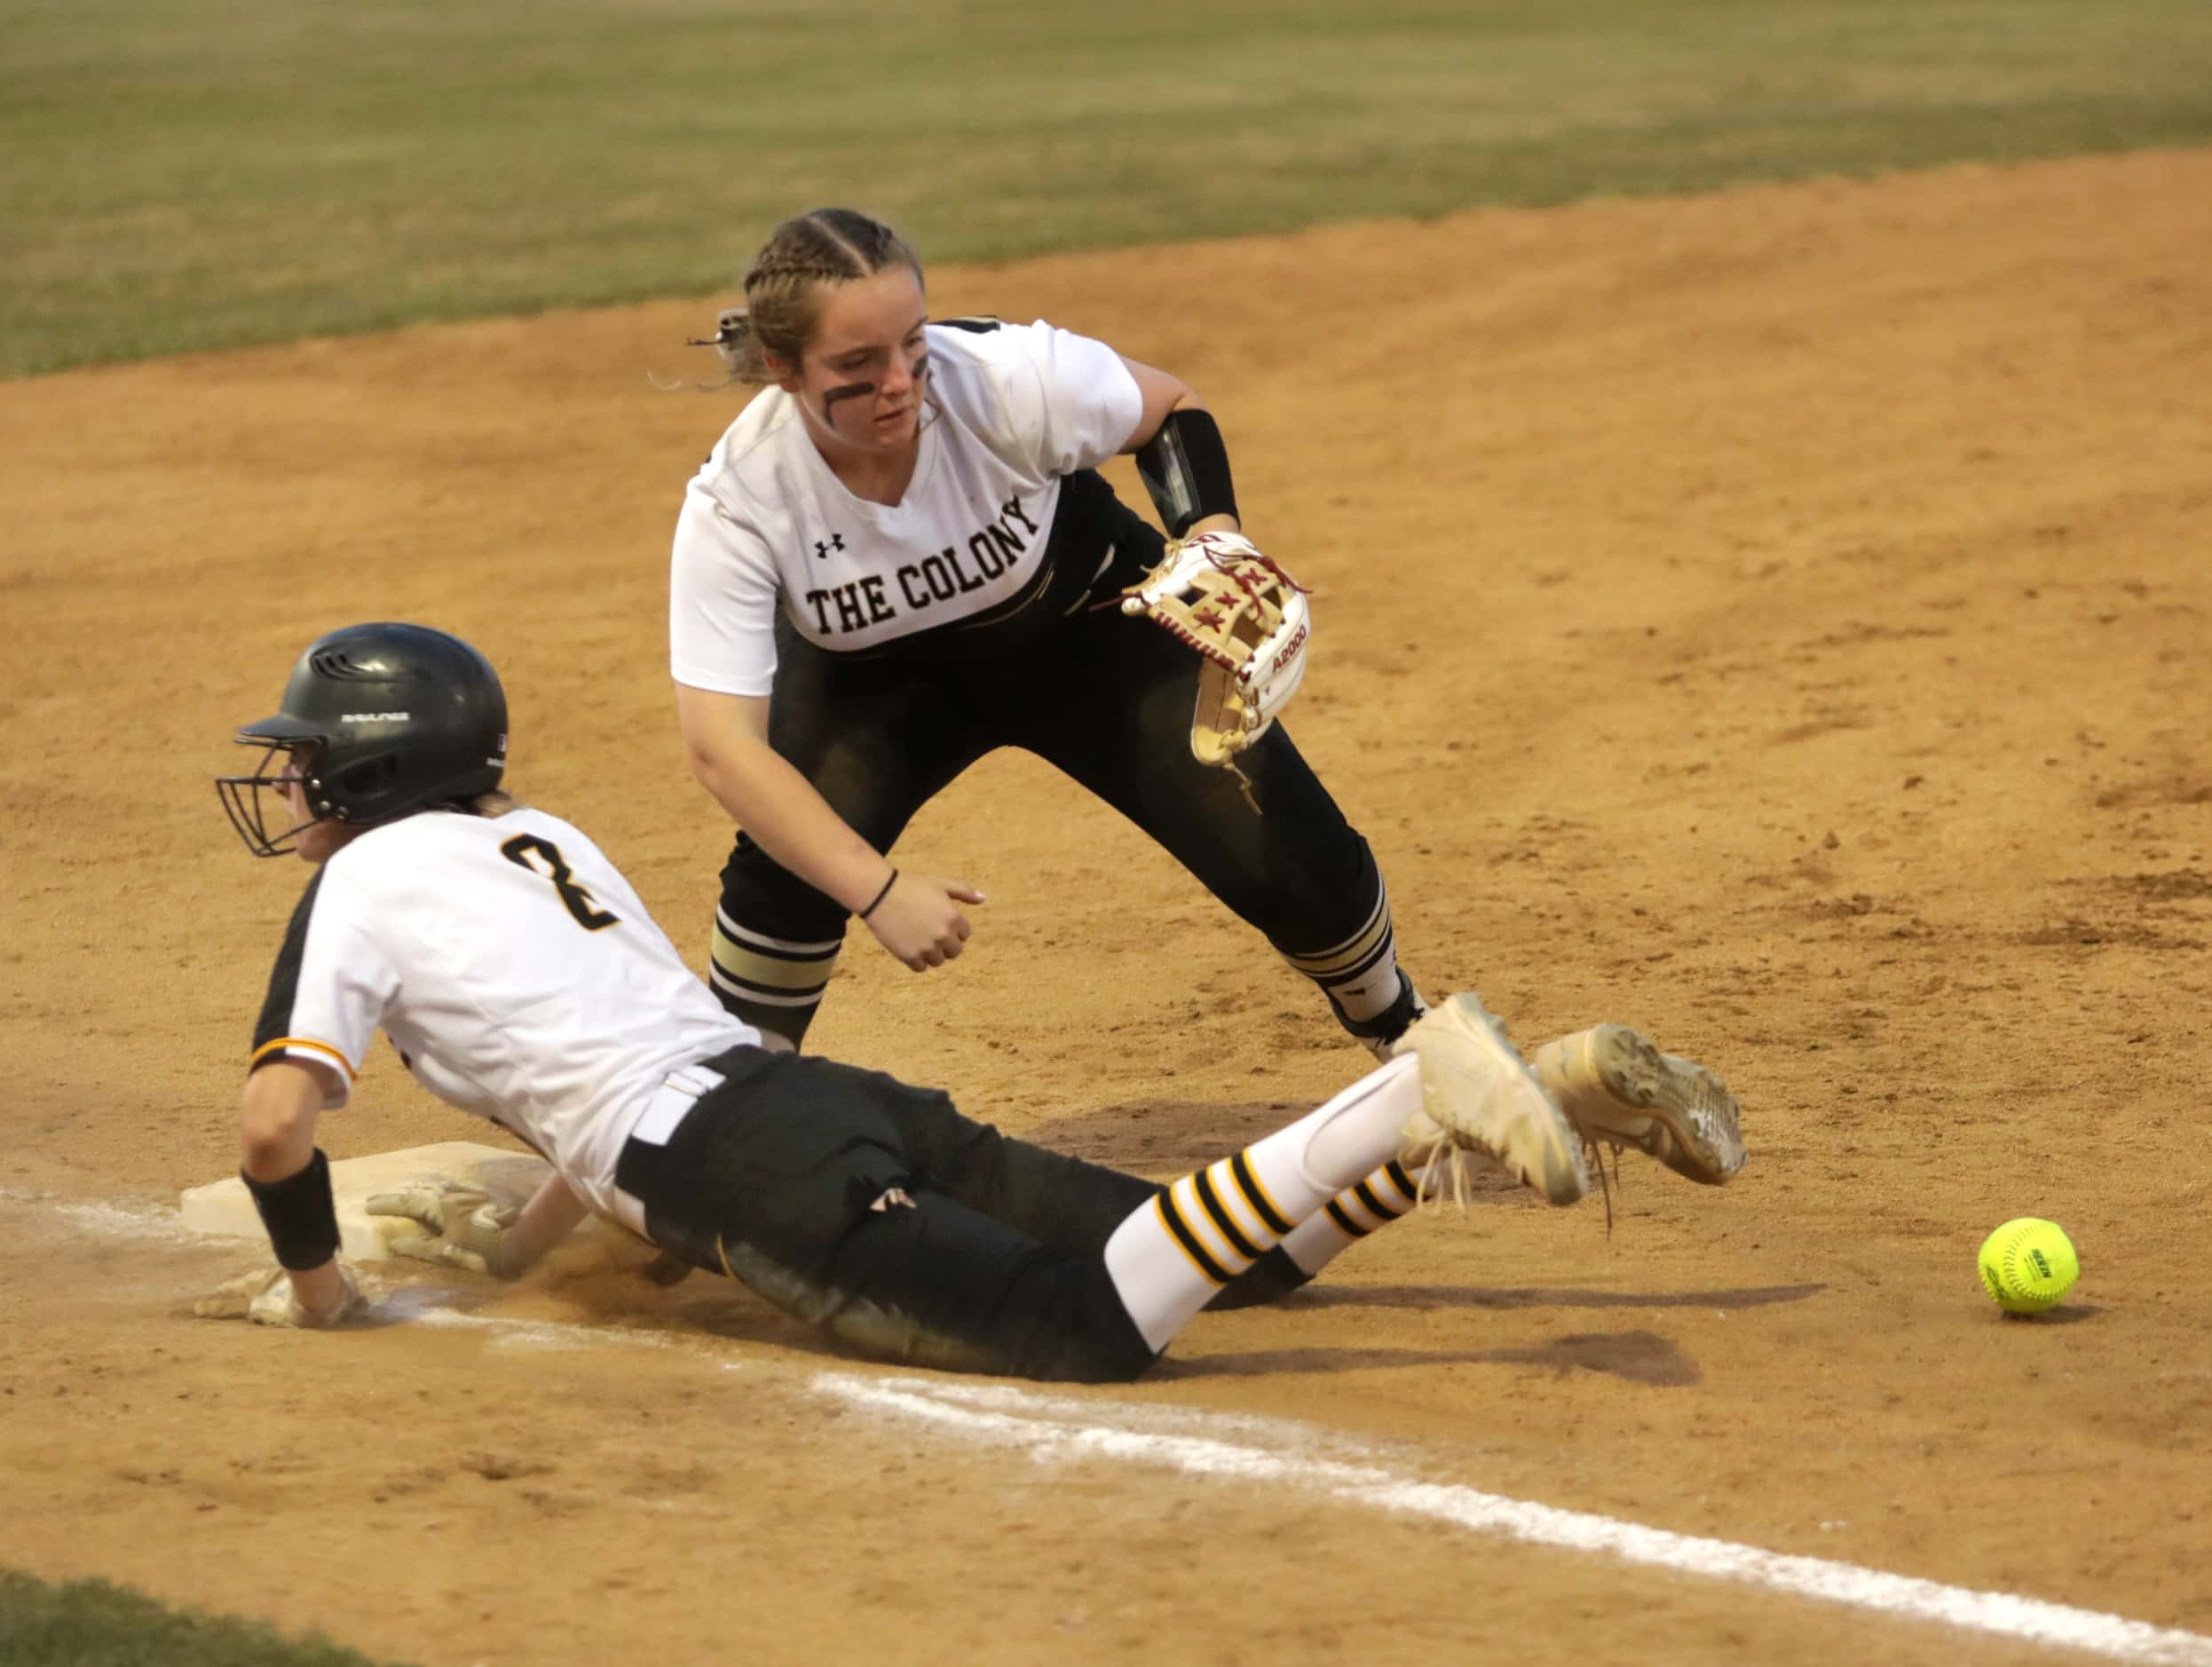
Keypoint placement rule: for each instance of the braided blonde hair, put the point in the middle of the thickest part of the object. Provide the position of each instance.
(783, 287)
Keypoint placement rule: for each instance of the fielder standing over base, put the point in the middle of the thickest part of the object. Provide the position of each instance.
(521, 980)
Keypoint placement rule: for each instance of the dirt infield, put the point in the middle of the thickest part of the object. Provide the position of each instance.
(1780, 621)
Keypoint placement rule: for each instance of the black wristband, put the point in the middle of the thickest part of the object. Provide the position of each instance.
(300, 1212)
(1185, 467)
(880, 896)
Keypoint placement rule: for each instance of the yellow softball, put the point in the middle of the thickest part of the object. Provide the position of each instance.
(2028, 1265)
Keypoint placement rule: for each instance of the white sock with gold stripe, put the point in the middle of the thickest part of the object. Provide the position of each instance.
(1170, 1256)
(1390, 1192)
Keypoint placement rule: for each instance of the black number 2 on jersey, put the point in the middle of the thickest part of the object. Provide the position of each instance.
(551, 864)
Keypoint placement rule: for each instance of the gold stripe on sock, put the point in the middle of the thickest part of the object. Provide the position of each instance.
(1366, 1194)
(1343, 1219)
(1180, 1231)
(1221, 1176)
(1183, 1195)
(1256, 1195)
(1357, 1207)
(1402, 1181)
(1202, 1184)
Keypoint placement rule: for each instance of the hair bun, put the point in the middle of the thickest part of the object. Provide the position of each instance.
(732, 338)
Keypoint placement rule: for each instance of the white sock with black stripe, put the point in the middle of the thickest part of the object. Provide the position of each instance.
(1170, 1256)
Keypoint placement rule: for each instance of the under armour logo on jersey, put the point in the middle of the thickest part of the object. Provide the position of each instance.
(836, 542)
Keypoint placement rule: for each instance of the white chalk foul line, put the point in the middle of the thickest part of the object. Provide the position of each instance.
(1055, 1432)
(1052, 1428)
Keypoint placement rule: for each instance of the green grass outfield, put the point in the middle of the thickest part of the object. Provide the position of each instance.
(91, 1623)
(184, 174)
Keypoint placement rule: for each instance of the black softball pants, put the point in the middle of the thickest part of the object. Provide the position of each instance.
(1104, 698)
(876, 1211)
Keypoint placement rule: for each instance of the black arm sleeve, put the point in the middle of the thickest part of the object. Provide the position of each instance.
(1185, 467)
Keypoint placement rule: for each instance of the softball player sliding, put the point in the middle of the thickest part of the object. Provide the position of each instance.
(521, 980)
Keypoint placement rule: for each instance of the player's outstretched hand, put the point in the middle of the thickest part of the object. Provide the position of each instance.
(264, 1297)
(450, 1222)
(919, 920)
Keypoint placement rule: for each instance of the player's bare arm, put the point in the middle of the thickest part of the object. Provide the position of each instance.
(916, 917)
(553, 1213)
(276, 1144)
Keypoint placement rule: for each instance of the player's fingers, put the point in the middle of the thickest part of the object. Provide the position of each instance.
(421, 1206)
(273, 1306)
(493, 1219)
(961, 927)
(453, 1256)
(393, 1227)
(963, 892)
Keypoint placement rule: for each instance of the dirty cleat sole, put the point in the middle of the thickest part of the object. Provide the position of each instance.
(1484, 1096)
(1617, 1086)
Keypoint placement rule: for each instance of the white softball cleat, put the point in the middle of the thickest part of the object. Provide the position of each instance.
(1617, 1087)
(1479, 1095)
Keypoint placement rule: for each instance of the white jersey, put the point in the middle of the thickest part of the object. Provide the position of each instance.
(515, 970)
(1014, 408)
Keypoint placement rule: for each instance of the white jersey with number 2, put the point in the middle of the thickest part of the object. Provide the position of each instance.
(514, 968)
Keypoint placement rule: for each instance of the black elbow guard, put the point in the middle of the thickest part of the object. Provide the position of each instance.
(300, 1212)
(1185, 467)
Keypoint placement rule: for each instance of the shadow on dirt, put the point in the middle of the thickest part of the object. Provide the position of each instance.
(2073, 1313)
(1642, 1357)
(1505, 1297)
(1164, 1138)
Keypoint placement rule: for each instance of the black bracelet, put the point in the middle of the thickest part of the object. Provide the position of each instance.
(880, 896)
(300, 1213)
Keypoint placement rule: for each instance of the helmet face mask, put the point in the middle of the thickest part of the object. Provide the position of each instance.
(248, 809)
(381, 720)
